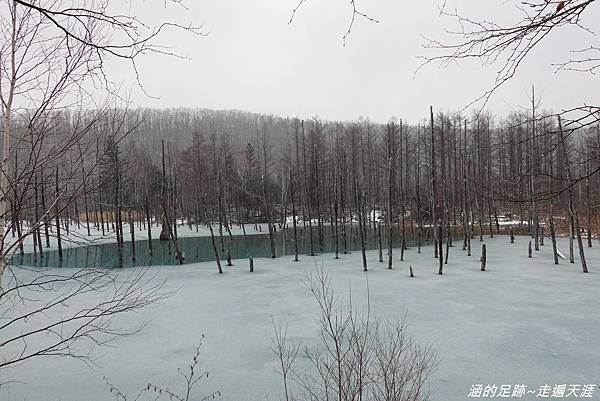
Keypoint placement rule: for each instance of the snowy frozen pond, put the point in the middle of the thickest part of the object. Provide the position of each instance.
(199, 249)
(524, 321)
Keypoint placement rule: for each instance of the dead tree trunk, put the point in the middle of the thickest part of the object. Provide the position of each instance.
(57, 220)
(294, 222)
(212, 238)
(380, 242)
(37, 232)
(433, 188)
(551, 218)
(402, 195)
(572, 210)
(467, 209)
(418, 192)
(571, 235)
(483, 257)
(132, 231)
(268, 217)
(307, 194)
(358, 196)
(85, 201)
(43, 200)
(440, 245)
(147, 206)
(553, 236)
(390, 194)
(536, 221)
(166, 225)
(589, 212)
(336, 214)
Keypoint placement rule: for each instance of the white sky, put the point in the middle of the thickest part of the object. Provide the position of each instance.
(254, 60)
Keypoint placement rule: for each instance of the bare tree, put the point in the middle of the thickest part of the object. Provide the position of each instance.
(359, 357)
(51, 55)
(191, 377)
(355, 13)
(45, 326)
(50, 52)
(507, 45)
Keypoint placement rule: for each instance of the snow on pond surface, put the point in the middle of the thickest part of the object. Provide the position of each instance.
(524, 321)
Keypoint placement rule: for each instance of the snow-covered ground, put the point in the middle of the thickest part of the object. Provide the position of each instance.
(524, 321)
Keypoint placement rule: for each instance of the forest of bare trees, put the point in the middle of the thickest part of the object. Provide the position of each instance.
(448, 180)
(78, 163)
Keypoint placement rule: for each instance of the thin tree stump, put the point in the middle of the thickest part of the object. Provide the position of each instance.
(229, 264)
(483, 257)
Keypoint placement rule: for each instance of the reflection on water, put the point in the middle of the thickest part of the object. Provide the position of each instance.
(199, 249)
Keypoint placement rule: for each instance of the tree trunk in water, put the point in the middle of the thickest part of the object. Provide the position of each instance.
(360, 224)
(418, 192)
(589, 216)
(294, 222)
(483, 257)
(147, 206)
(220, 214)
(402, 194)
(101, 218)
(440, 245)
(37, 232)
(467, 208)
(306, 194)
(85, 201)
(553, 236)
(57, 220)
(336, 217)
(132, 231)
(390, 194)
(580, 243)
(174, 205)
(268, 216)
(46, 232)
(448, 241)
(380, 242)
(214, 244)
(433, 194)
(571, 235)
(118, 231)
(572, 211)
(536, 222)
(166, 227)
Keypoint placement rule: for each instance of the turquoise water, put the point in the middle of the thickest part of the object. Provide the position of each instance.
(199, 249)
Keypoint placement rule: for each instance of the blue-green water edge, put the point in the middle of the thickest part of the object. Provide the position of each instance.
(199, 249)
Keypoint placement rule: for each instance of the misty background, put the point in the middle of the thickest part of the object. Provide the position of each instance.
(253, 59)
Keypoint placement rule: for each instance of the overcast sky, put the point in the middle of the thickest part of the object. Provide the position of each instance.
(253, 60)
